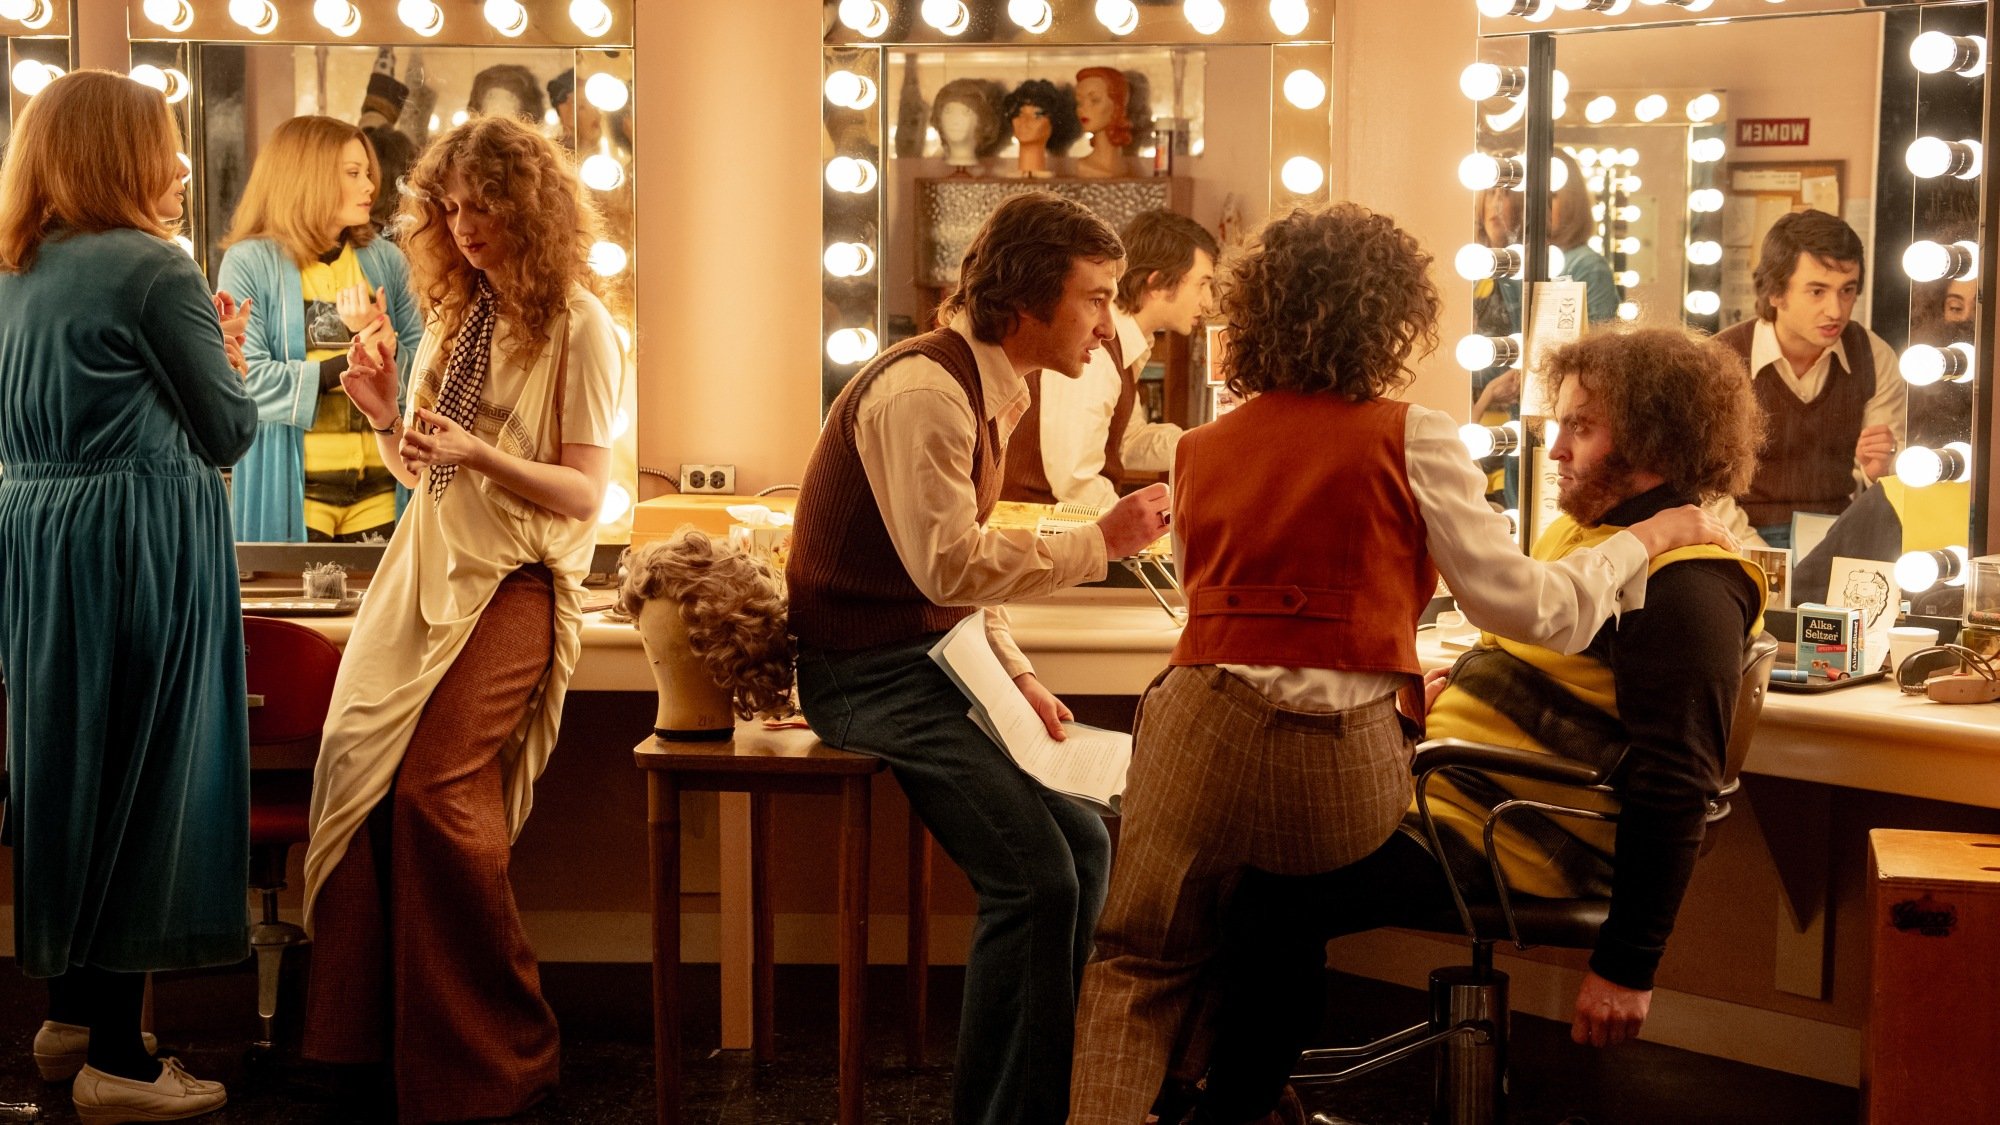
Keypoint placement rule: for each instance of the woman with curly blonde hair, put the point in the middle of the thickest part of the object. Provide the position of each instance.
(447, 704)
(1312, 524)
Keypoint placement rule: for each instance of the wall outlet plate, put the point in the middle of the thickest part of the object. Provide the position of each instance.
(719, 479)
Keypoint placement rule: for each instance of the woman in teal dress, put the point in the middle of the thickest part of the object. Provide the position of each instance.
(121, 637)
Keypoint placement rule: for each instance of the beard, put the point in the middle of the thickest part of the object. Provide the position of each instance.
(1591, 495)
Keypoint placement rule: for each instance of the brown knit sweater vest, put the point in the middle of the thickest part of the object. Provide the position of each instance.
(1026, 478)
(1807, 463)
(1302, 544)
(848, 588)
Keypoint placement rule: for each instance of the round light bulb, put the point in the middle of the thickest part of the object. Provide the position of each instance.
(1558, 174)
(848, 346)
(1919, 467)
(146, 74)
(607, 92)
(32, 76)
(948, 16)
(1119, 17)
(1205, 16)
(1628, 245)
(1628, 311)
(1033, 16)
(1478, 440)
(1705, 252)
(1304, 89)
(869, 17)
(1302, 175)
(1600, 108)
(1918, 571)
(1629, 213)
(1935, 52)
(1927, 261)
(849, 90)
(1475, 262)
(459, 117)
(848, 174)
(1707, 150)
(1924, 364)
(421, 16)
(1706, 200)
(1703, 107)
(592, 17)
(1628, 279)
(1477, 353)
(338, 16)
(1703, 302)
(617, 501)
(1928, 157)
(608, 259)
(1290, 16)
(507, 17)
(259, 17)
(33, 14)
(848, 259)
(1480, 81)
(601, 172)
(174, 15)
(1652, 107)
(1479, 171)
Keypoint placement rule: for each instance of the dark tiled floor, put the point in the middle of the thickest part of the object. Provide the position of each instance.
(607, 1061)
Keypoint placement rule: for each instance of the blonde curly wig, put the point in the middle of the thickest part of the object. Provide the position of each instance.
(734, 607)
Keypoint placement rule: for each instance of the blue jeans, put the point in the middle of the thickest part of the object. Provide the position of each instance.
(1038, 862)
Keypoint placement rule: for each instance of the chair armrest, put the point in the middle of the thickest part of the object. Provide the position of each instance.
(1442, 753)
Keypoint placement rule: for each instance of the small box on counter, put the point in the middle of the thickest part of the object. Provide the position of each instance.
(1829, 634)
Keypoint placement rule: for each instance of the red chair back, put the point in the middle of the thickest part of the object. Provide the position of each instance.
(290, 671)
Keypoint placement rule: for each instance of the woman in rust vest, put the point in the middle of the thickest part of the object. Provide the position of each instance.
(1312, 524)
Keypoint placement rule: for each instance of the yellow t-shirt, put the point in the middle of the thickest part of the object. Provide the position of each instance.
(342, 463)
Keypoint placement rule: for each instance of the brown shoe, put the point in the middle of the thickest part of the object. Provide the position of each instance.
(106, 1099)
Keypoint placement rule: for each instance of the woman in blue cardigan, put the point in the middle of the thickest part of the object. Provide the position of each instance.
(302, 247)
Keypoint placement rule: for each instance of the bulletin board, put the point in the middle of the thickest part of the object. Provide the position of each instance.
(1755, 194)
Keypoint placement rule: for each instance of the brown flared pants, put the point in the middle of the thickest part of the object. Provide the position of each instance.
(419, 958)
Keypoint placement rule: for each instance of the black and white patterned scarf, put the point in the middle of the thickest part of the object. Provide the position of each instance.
(465, 375)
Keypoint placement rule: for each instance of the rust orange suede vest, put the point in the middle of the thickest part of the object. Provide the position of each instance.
(1301, 543)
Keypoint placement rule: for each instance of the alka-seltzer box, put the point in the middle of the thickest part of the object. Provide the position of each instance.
(1829, 633)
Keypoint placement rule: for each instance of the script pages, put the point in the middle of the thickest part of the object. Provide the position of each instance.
(1088, 766)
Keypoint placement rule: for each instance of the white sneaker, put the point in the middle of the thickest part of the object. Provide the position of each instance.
(106, 1099)
(61, 1049)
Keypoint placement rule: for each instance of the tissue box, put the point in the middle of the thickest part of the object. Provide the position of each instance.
(1829, 633)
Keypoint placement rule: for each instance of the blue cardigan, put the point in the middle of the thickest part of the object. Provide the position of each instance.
(267, 491)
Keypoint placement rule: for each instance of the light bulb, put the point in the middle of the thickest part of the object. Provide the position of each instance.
(1557, 260)
(1558, 174)
(1628, 245)
(1705, 252)
(1304, 89)
(259, 17)
(32, 76)
(1480, 171)
(1930, 157)
(1924, 364)
(849, 346)
(338, 16)
(851, 175)
(607, 259)
(1920, 467)
(849, 90)
(601, 172)
(1628, 311)
(507, 17)
(174, 15)
(1702, 107)
(948, 16)
(1205, 16)
(592, 17)
(1474, 262)
(1628, 279)
(1931, 261)
(1705, 201)
(848, 259)
(1652, 107)
(146, 74)
(1290, 16)
(1629, 213)
(607, 92)
(1628, 157)
(1119, 17)
(1033, 16)
(1935, 52)
(617, 501)
(1596, 244)
(1477, 353)
(1478, 440)
(1481, 81)
(421, 16)
(459, 117)
(1707, 150)
(1603, 107)
(1919, 571)
(32, 14)
(1703, 302)
(869, 17)
(1628, 184)
(1302, 175)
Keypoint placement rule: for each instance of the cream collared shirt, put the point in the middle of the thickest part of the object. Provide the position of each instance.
(914, 432)
(1076, 419)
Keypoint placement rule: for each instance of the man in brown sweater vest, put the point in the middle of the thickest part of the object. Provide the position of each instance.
(891, 549)
(1828, 387)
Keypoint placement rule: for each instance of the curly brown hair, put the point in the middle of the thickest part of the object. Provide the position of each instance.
(1333, 298)
(1678, 404)
(734, 607)
(529, 185)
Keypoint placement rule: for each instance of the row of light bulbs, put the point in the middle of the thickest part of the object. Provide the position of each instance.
(1535, 11)
(425, 17)
(33, 14)
(1120, 17)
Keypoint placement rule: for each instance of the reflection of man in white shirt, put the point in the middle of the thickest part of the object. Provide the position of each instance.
(1081, 435)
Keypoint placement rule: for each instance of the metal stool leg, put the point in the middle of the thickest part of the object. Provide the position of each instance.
(1469, 1079)
(269, 939)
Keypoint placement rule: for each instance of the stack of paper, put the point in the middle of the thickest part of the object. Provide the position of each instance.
(1088, 766)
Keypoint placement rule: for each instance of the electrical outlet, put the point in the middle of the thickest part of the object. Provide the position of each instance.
(708, 478)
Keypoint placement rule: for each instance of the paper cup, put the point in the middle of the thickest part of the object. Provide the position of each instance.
(1906, 639)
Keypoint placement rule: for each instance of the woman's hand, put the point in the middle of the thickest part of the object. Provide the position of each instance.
(380, 338)
(232, 349)
(437, 440)
(370, 381)
(233, 317)
(1051, 710)
(358, 308)
(1434, 682)
(1685, 526)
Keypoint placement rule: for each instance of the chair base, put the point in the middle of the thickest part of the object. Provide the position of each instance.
(268, 941)
(1468, 1030)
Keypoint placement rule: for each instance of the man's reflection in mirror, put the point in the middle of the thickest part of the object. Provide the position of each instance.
(1829, 388)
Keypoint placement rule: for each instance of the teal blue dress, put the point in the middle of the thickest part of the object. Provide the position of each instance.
(121, 632)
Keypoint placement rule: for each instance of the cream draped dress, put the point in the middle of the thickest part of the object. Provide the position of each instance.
(443, 565)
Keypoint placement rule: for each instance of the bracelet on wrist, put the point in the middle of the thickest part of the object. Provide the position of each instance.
(395, 424)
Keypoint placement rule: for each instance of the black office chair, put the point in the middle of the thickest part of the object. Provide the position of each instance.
(1468, 1024)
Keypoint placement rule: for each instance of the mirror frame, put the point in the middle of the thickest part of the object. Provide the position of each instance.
(853, 305)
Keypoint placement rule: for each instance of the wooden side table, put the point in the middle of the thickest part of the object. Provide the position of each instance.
(763, 763)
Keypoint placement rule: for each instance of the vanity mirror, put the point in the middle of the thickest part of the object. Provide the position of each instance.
(37, 50)
(1694, 136)
(935, 111)
(402, 71)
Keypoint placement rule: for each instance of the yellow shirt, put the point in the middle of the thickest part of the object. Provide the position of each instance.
(339, 443)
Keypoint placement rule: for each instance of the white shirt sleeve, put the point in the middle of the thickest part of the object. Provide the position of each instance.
(1148, 446)
(1558, 605)
(1076, 417)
